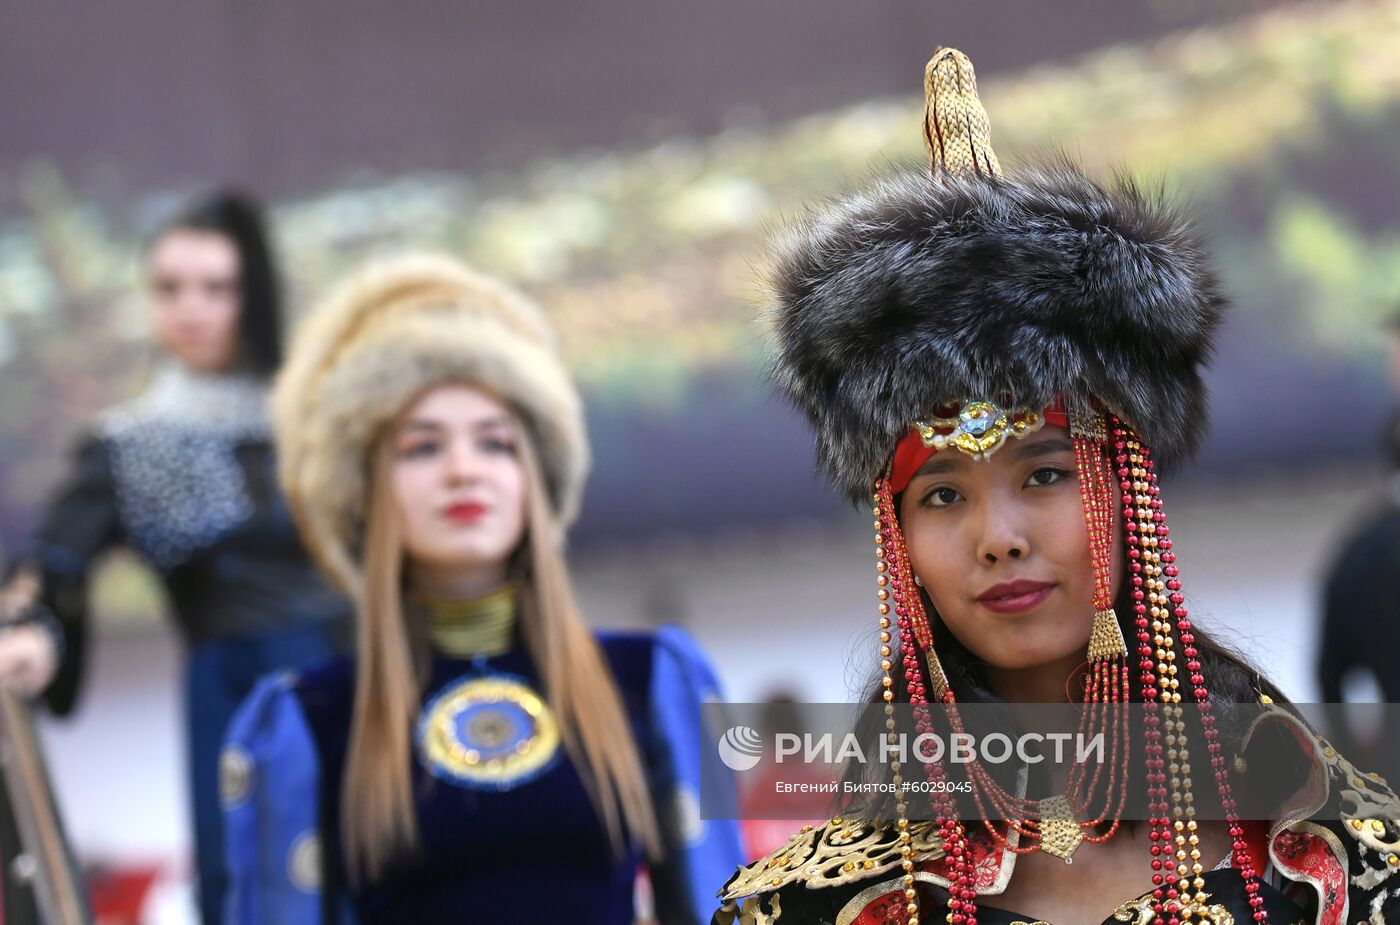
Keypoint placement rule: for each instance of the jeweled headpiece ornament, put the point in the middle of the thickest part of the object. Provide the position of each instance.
(956, 308)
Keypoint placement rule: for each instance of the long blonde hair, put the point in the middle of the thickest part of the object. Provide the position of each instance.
(378, 821)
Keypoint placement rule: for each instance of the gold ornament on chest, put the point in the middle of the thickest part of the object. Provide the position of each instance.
(488, 732)
(1060, 835)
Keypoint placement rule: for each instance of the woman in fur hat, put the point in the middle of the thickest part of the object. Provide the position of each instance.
(183, 475)
(484, 757)
(1001, 364)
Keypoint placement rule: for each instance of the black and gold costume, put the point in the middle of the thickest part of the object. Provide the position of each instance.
(960, 309)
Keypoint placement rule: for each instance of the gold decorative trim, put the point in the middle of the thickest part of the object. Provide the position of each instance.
(1370, 814)
(491, 731)
(1139, 912)
(833, 854)
(304, 862)
(235, 776)
(750, 911)
(1092, 425)
(849, 850)
(483, 625)
(979, 429)
(1106, 637)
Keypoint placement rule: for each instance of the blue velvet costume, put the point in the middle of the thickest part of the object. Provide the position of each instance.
(533, 852)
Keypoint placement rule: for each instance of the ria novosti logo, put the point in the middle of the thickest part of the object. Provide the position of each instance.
(741, 748)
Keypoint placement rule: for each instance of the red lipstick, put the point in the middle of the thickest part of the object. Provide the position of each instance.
(1017, 596)
(464, 512)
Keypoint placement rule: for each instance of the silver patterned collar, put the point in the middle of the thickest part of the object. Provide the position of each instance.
(178, 395)
(180, 487)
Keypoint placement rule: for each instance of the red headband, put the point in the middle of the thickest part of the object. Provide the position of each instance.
(913, 450)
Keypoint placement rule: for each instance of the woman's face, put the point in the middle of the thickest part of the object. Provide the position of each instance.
(458, 484)
(196, 298)
(1002, 549)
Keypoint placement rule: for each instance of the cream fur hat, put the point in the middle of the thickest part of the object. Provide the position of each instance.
(389, 332)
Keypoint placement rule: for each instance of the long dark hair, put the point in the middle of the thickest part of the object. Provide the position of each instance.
(238, 217)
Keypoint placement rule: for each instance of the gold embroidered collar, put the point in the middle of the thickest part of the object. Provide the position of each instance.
(479, 626)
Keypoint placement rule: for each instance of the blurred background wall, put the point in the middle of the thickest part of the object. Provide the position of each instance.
(624, 162)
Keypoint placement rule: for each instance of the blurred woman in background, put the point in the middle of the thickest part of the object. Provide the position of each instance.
(484, 757)
(184, 474)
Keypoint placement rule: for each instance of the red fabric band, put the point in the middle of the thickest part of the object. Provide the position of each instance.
(910, 453)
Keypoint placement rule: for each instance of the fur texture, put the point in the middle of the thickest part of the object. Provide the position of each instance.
(918, 293)
(386, 335)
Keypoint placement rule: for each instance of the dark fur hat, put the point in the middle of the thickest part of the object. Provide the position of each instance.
(923, 292)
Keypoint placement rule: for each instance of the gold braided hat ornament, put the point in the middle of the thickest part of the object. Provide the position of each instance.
(957, 133)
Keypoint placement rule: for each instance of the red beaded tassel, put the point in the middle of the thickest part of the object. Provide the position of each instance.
(1108, 686)
(1158, 603)
(896, 580)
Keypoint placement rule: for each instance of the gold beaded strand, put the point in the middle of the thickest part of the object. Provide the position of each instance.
(882, 593)
(1185, 840)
